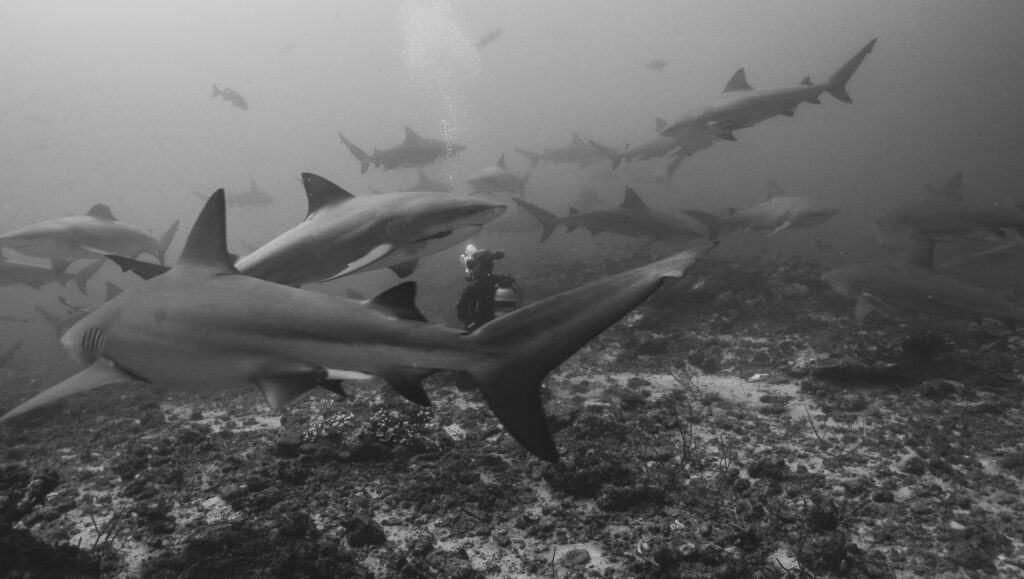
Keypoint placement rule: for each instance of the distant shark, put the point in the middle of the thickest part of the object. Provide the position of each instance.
(742, 106)
(578, 151)
(488, 38)
(944, 215)
(36, 276)
(61, 325)
(232, 96)
(414, 151)
(254, 196)
(202, 325)
(632, 218)
(779, 213)
(498, 179)
(343, 234)
(915, 286)
(95, 234)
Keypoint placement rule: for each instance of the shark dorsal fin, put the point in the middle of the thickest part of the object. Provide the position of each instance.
(807, 81)
(573, 211)
(207, 245)
(632, 201)
(501, 162)
(921, 253)
(773, 190)
(101, 211)
(411, 136)
(576, 139)
(738, 82)
(399, 302)
(659, 124)
(320, 192)
(113, 291)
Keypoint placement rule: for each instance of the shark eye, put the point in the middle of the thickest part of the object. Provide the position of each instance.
(93, 340)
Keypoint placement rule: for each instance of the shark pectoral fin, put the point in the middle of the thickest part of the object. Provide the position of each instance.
(378, 252)
(409, 383)
(405, 269)
(101, 373)
(281, 389)
(866, 303)
(780, 228)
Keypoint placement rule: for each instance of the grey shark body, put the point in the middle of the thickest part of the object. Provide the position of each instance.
(742, 106)
(232, 96)
(414, 151)
(632, 218)
(915, 286)
(497, 179)
(203, 325)
(779, 213)
(343, 234)
(92, 235)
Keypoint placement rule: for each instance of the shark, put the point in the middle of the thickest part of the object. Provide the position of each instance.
(414, 151)
(7, 356)
(945, 215)
(679, 146)
(488, 38)
(632, 218)
(13, 272)
(254, 196)
(779, 213)
(232, 96)
(203, 325)
(913, 285)
(741, 106)
(93, 235)
(343, 234)
(497, 179)
(578, 151)
(75, 312)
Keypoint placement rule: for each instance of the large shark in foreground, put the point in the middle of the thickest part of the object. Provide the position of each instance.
(414, 151)
(92, 235)
(742, 106)
(915, 286)
(203, 325)
(343, 234)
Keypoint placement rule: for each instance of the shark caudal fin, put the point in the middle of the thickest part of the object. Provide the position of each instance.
(537, 338)
(165, 242)
(533, 157)
(359, 154)
(615, 157)
(82, 276)
(836, 85)
(548, 220)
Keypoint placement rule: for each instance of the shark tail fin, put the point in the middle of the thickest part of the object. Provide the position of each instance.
(534, 158)
(54, 321)
(165, 242)
(548, 220)
(537, 338)
(82, 276)
(836, 85)
(216, 91)
(359, 154)
(607, 152)
(712, 222)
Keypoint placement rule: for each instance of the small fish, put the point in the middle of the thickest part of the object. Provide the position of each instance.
(232, 96)
(656, 64)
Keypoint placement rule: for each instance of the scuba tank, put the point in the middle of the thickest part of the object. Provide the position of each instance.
(507, 297)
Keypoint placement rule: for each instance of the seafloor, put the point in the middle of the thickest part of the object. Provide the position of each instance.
(740, 423)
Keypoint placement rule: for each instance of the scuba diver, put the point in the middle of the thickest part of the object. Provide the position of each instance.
(487, 295)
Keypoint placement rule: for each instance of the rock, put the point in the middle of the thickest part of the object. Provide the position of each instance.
(364, 531)
(574, 558)
(937, 389)
(774, 469)
(883, 496)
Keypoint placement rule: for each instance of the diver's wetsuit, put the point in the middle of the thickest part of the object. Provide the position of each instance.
(476, 305)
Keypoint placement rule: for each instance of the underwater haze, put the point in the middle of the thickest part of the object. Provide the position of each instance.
(150, 107)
